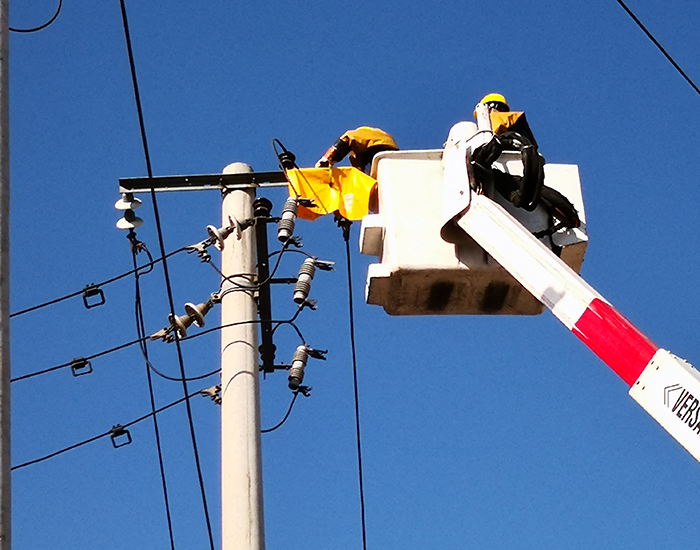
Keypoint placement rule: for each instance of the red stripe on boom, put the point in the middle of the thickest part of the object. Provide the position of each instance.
(615, 340)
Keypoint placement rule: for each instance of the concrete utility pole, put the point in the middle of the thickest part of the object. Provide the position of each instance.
(241, 462)
(5, 538)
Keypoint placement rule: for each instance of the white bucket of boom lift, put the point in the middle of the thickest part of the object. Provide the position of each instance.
(420, 272)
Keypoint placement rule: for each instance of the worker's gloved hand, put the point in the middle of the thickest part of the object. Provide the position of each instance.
(323, 162)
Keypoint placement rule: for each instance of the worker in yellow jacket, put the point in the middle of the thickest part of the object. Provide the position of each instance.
(362, 143)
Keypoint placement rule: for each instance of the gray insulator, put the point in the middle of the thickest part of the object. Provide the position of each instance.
(296, 372)
(303, 284)
(285, 229)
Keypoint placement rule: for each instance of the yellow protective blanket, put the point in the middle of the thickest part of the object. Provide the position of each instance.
(345, 190)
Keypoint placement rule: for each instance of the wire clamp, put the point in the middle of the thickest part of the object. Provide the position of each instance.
(324, 265)
(213, 393)
(311, 304)
(80, 366)
(201, 250)
(305, 390)
(317, 353)
(120, 436)
(294, 241)
(162, 334)
(92, 291)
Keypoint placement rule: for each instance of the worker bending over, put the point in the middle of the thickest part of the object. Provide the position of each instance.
(362, 143)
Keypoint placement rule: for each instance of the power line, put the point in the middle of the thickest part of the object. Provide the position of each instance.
(345, 225)
(105, 434)
(656, 43)
(238, 287)
(159, 232)
(289, 410)
(98, 285)
(41, 27)
(137, 247)
(70, 363)
(145, 338)
(213, 329)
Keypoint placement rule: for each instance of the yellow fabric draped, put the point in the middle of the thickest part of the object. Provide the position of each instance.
(345, 190)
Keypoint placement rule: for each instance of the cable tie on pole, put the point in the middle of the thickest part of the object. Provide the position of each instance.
(120, 436)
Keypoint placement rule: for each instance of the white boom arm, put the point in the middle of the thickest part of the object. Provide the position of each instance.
(666, 387)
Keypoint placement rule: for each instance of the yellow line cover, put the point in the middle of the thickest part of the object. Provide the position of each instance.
(343, 190)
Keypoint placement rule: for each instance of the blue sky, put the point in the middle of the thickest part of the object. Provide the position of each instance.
(477, 432)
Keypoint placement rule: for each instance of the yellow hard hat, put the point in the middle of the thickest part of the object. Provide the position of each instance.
(495, 100)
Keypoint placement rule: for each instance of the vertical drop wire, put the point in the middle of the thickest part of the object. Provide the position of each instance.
(345, 225)
(142, 127)
(141, 333)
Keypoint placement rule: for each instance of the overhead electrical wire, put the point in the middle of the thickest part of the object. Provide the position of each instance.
(137, 247)
(659, 46)
(41, 27)
(105, 434)
(68, 364)
(289, 410)
(143, 339)
(237, 286)
(98, 285)
(345, 226)
(159, 232)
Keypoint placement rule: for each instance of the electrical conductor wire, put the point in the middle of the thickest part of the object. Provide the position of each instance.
(105, 434)
(141, 332)
(98, 285)
(289, 410)
(64, 365)
(659, 46)
(139, 110)
(345, 225)
(41, 27)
